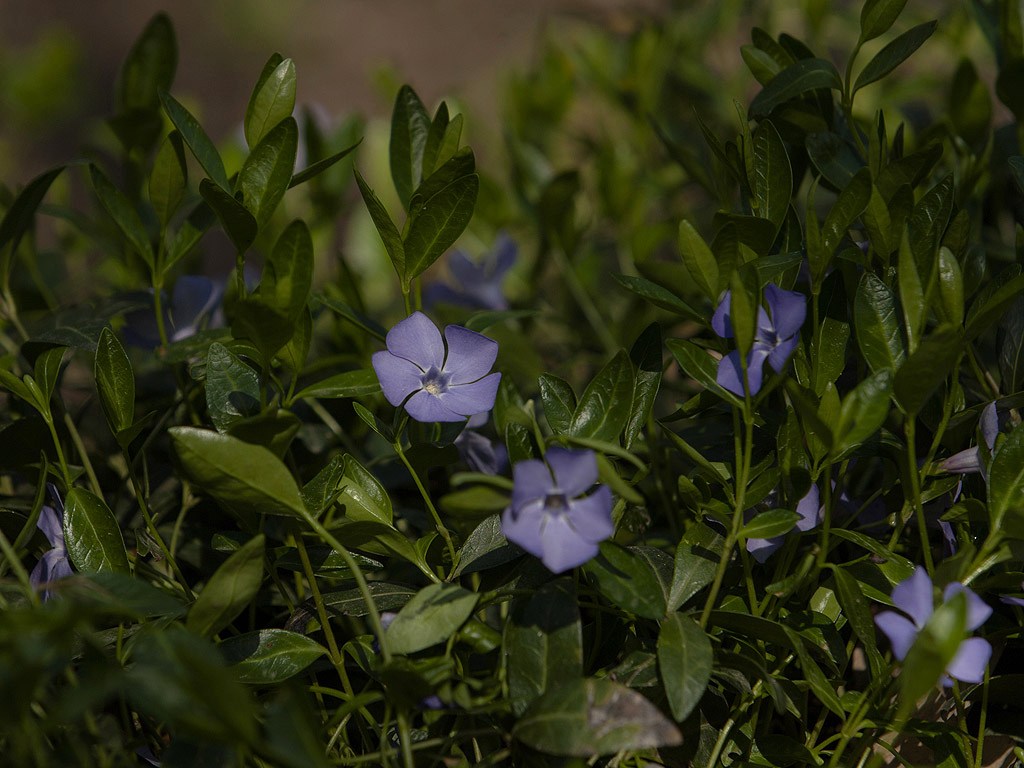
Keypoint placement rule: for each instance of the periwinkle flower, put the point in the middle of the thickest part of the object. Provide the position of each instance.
(809, 510)
(54, 564)
(969, 460)
(437, 379)
(193, 305)
(775, 338)
(480, 453)
(913, 596)
(478, 283)
(550, 518)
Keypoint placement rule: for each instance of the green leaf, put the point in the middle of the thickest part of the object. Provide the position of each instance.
(347, 384)
(267, 171)
(1011, 349)
(245, 479)
(603, 409)
(385, 227)
(912, 299)
(123, 214)
(229, 590)
(148, 68)
(877, 16)
(658, 296)
(410, 125)
(232, 387)
(583, 718)
(362, 496)
(894, 54)
(19, 218)
(314, 170)
(267, 327)
(699, 260)
(696, 560)
(863, 411)
(191, 231)
(684, 659)
(194, 135)
(46, 368)
(645, 355)
(1006, 485)
(92, 535)
(274, 429)
(559, 402)
(700, 366)
(950, 307)
(769, 524)
(272, 100)
(795, 80)
(358, 319)
(876, 324)
(432, 616)
(288, 272)
(856, 610)
(486, 547)
(992, 300)
(349, 602)
(437, 223)
(167, 179)
(115, 382)
(851, 204)
(627, 581)
(543, 643)
(269, 656)
(926, 369)
(773, 175)
(239, 224)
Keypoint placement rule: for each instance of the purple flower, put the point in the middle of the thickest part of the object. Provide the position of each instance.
(54, 564)
(479, 284)
(548, 516)
(969, 460)
(913, 596)
(776, 336)
(480, 453)
(435, 379)
(810, 517)
(194, 302)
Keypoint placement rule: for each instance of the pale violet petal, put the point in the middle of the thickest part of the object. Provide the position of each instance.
(721, 321)
(900, 631)
(574, 471)
(524, 526)
(913, 596)
(471, 355)
(762, 549)
(474, 398)
(398, 377)
(531, 480)
(591, 516)
(788, 310)
(417, 340)
(968, 665)
(978, 610)
(563, 546)
(809, 509)
(426, 407)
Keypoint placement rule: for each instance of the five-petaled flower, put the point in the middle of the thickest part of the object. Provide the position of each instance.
(549, 517)
(435, 379)
(776, 336)
(478, 284)
(54, 564)
(810, 517)
(913, 596)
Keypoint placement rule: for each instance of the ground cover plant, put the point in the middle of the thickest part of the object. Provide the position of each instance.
(704, 448)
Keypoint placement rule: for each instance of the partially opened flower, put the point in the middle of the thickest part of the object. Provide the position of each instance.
(193, 305)
(478, 284)
(550, 518)
(969, 459)
(775, 338)
(913, 597)
(54, 564)
(809, 510)
(437, 379)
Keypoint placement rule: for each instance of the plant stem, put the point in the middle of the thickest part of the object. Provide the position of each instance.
(438, 524)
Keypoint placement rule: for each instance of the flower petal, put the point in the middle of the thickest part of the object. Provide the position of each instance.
(50, 524)
(591, 516)
(502, 257)
(417, 340)
(465, 270)
(755, 367)
(962, 462)
(564, 547)
(978, 610)
(471, 399)
(398, 377)
(809, 509)
(780, 354)
(721, 321)
(574, 471)
(471, 355)
(990, 425)
(531, 479)
(900, 631)
(788, 309)
(762, 549)
(729, 376)
(968, 665)
(426, 407)
(195, 297)
(913, 596)
(524, 526)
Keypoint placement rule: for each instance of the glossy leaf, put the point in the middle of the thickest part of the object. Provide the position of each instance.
(20, 216)
(699, 260)
(347, 384)
(894, 54)
(795, 80)
(232, 387)
(314, 170)
(167, 180)
(656, 295)
(877, 16)
(486, 547)
(773, 176)
(124, 215)
(385, 226)
(603, 408)
(115, 382)
(239, 224)
(1006, 485)
(863, 412)
(148, 68)
(288, 272)
(272, 100)
(362, 496)
(926, 369)
(92, 535)
(627, 581)
(269, 656)
(410, 125)
(438, 222)
(196, 139)
(267, 171)
(685, 659)
(431, 617)
(696, 560)
(700, 366)
(229, 590)
(767, 525)
(645, 354)
(857, 612)
(876, 324)
(559, 402)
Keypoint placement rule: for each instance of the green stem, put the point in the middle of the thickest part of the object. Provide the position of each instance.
(17, 567)
(915, 495)
(438, 524)
(48, 418)
(76, 438)
(147, 516)
(158, 309)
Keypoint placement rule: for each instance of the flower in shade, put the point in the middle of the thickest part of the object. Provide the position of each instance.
(550, 517)
(969, 460)
(480, 453)
(437, 379)
(810, 517)
(54, 564)
(776, 336)
(478, 284)
(913, 596)
(193, 305)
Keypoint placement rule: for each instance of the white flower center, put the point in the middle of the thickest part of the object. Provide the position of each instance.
(435, 382)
